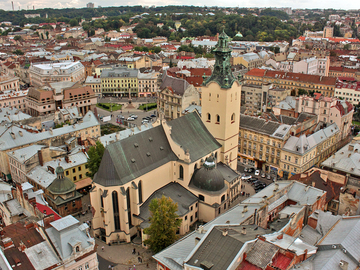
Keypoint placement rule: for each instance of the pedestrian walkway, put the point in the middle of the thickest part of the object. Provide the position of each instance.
(124, 257)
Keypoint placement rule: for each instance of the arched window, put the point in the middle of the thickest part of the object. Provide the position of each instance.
(216, 156)
(222, 198)
(181, 172)
(233, 118)
(208, 117)
(101, 199)
(128, 205)
(140, 191)
(115, 203)
(77, 249)
(217, 119)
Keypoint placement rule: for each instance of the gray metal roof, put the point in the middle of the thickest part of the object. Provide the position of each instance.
(228, 174)
(261, 253)
(177, 193)
(174, 255)
(7, 141)
(134, 156)
(258, 124)
(42, 256)
(217, 249)
(178, 85)
(119, 72)
(66, 231)
(347, 159)
(141, 153)
(191, 134)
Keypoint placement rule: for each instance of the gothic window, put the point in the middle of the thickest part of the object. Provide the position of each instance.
(140, 191)
(101, 198)
(128, 205)
(115, 202)
(181, 172)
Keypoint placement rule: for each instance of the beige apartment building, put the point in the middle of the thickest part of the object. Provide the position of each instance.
(255, 98)
(9, 83)
(13, 137)
(148, 84)
(95, 84)
(301, 153)
(328, 110)
(260, 142)
(175, 96)
(46, 100)
(41, 74)
(293, 81)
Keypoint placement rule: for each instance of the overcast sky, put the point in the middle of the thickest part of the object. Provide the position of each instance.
(24, 4)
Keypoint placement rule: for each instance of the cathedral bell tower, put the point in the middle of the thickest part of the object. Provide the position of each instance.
(221, 93)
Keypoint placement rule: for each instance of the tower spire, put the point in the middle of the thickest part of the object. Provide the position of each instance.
(222, 69)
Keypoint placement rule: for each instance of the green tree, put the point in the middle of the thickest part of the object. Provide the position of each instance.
(164, 223)
(18, 52)
(346, 46)
(47, 34)
(95, 154)
(73, 22)
(302, 92)
(17, 38)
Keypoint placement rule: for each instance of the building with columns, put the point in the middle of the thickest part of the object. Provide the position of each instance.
(189, 159)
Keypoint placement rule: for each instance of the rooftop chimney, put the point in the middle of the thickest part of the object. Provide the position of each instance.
(225, 232)
(243, 230)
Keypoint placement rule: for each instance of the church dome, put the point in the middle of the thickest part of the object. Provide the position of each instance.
(62, 184)
(238, 34)
(208, 177)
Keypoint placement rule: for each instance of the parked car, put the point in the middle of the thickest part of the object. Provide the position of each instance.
(251, 170)
(257, 172)
(255, 182)
(245, 177)
(152, 115)
(251, 180)
(130, 119)
(121, 116)
(268, 177)
(245, 169)
(263, 175)
(144, 121)
(134, 116)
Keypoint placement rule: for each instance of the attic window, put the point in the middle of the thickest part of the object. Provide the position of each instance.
(133, 160)
(161, 148)
(136, 145)
(148, 154)
(150, 139)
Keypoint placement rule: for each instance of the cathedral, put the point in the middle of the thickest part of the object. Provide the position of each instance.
(191, 159)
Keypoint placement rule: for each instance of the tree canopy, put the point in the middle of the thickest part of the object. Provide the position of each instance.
(95, 154)
(164, 223)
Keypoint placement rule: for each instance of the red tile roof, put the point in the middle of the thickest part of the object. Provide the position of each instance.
(290, 76)
(47, 211)
(335, 39)
(280, 261)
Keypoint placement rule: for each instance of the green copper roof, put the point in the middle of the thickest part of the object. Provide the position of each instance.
(222, 69)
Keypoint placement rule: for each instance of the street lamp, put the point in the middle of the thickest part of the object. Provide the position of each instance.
(110, 105)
